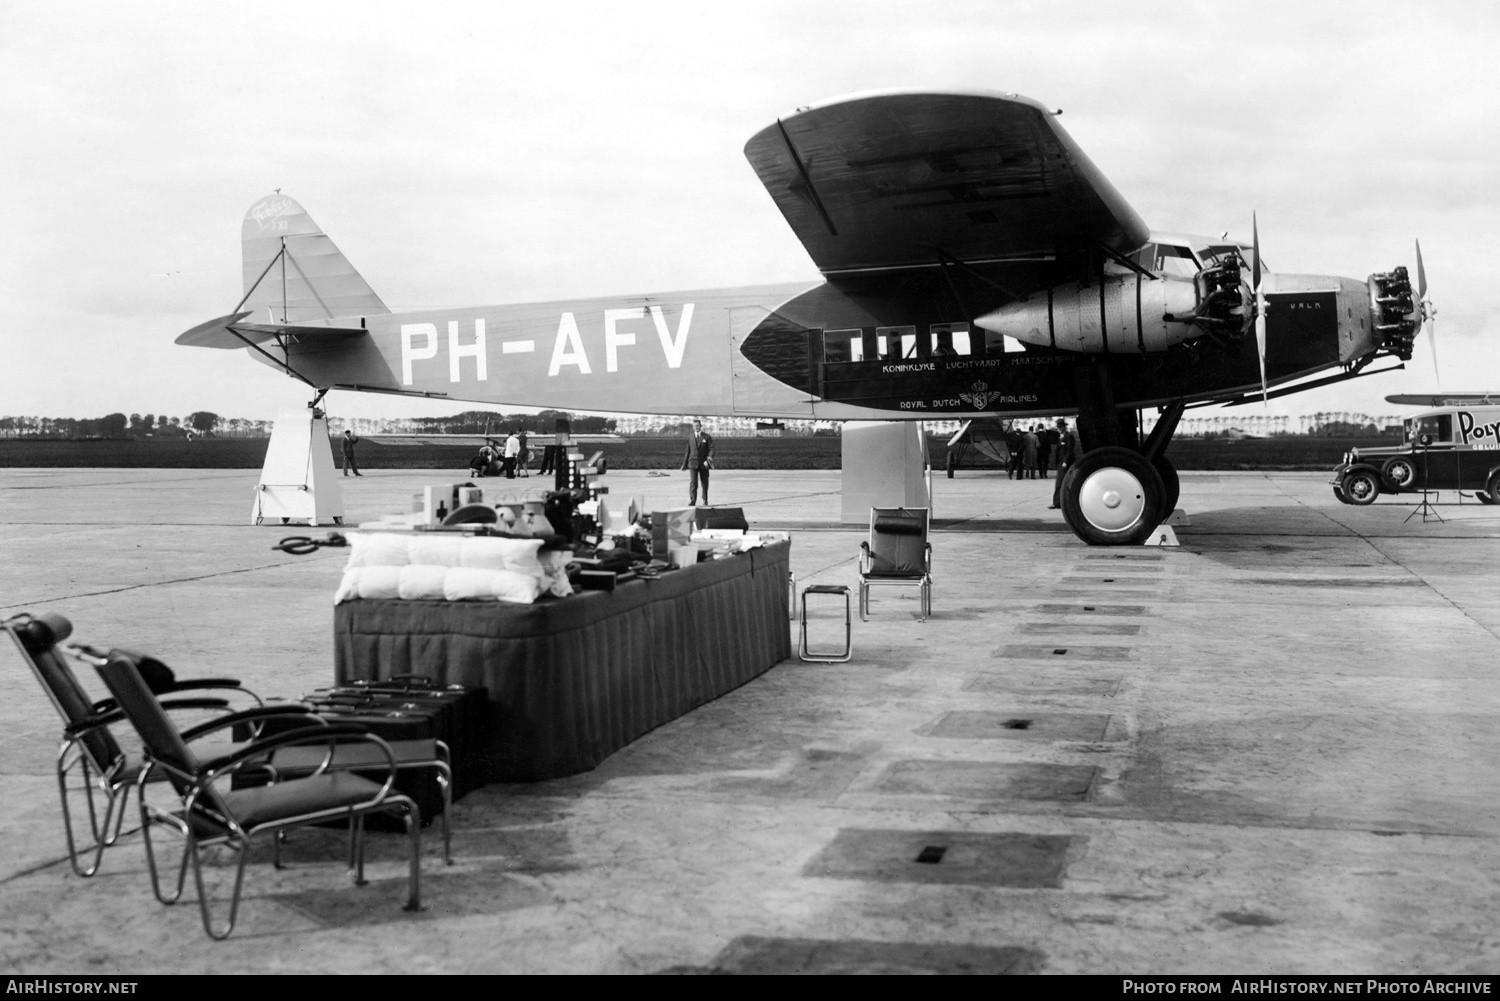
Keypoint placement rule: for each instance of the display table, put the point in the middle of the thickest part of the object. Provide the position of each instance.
(572, 680)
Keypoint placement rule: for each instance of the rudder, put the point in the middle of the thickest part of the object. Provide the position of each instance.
(311, 280)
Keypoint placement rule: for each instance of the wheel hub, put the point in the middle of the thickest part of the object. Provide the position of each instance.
(1112, 500)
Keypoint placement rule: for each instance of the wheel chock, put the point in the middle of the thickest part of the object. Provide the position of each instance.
(1179, 519)
(1162, 536)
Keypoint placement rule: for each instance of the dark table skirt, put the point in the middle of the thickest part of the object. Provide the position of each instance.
(573, 680)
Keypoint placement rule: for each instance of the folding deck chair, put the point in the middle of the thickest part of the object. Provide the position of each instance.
(87, 745)
(207, 816)
(897, 553)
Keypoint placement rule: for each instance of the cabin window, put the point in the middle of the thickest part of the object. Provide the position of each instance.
(997, 344)
(843, 345)
(949, 340)
(1439, 427)
(896, 343)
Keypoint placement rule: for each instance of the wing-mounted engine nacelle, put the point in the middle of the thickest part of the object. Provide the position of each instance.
(1394, 311)
(1127, 313)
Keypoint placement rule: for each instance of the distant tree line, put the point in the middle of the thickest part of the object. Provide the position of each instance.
(209, 424)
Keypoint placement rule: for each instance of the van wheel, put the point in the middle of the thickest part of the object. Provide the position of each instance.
(1360, 487)
(1399, 473)
(1485, 497)
(1494, 487)
(1339, 493)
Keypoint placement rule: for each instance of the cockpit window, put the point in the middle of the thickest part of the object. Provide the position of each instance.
(1174, 260)
(1218, 252)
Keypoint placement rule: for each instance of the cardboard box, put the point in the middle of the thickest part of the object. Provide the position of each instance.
(672, 527)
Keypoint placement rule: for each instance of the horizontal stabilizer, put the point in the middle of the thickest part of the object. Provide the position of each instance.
(230, 332)
(215, 334)
(1445, 399)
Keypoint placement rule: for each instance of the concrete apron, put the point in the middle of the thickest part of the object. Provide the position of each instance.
(1271, 750)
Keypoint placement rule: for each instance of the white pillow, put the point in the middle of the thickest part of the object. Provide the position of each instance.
(378, 550)
(469, 583)
(421, 582)
(434, 550)
(378, 582)
(486, 553)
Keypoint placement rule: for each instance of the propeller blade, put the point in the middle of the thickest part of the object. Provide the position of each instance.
(1260, 306)
(1255, 243)
(1427, 314)
(1432, 343)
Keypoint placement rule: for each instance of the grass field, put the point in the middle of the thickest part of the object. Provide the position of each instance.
(1291, 452)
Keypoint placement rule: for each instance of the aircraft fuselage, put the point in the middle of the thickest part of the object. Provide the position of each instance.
(851, 349)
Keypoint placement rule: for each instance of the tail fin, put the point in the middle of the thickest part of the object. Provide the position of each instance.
(293, 269)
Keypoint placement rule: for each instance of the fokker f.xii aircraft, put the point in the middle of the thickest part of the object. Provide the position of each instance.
(975, 264)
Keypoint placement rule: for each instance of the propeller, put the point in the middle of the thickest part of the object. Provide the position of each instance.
(1257, 287)
(1427, 314)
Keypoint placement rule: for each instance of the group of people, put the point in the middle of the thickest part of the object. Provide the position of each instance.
(508, 460)
(1036, 449)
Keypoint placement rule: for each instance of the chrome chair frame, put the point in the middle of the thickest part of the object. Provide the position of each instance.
(870, 577)
(87, 744)
(207, 817)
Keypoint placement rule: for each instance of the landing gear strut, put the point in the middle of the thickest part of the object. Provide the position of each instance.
(1121, 489)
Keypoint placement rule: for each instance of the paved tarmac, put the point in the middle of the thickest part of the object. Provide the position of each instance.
(1272, 750)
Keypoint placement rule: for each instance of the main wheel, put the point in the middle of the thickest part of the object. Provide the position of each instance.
(1361, 487)
(1399, 473)
(1112, 497)
(1171, 486)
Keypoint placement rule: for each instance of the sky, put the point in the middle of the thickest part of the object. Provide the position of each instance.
(465, 153)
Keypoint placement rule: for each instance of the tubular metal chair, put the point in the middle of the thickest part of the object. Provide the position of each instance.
(897, 553)
(88, 748)
(207, 816)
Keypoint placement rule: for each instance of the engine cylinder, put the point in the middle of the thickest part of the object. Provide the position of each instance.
(1125, 314)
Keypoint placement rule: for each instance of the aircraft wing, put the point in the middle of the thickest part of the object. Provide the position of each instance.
(1445, 399)
(900, 180)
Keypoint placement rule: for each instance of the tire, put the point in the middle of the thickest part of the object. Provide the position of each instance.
(1493, 488)
(1485, 496)
(1171, 486)
(1112, 497)
(1339, 493)
(1399, 472)
(1361, 487)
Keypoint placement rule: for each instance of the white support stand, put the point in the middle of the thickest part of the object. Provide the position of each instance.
(297, 482)
(885, 464)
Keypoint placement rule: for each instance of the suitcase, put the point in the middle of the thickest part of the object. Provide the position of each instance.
(411, 709)
(460, 718)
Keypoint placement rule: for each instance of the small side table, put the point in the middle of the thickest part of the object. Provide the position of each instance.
(830, 657)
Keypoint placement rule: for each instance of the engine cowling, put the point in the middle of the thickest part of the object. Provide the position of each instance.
(1124, 314)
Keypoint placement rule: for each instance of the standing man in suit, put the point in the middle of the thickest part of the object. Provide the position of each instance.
(1067, 454)
(698, 461)
(347, 447)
